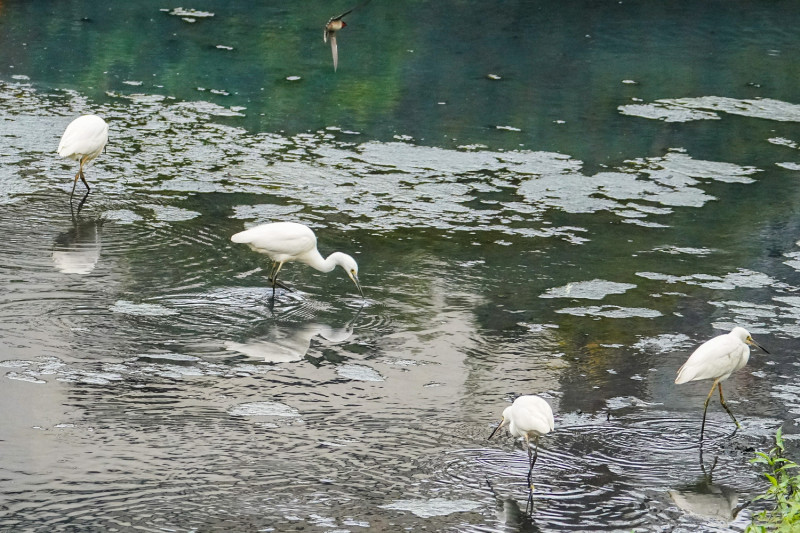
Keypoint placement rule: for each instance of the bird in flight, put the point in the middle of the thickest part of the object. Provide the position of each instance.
(333, 25)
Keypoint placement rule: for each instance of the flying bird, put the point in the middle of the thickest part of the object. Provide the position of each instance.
(717, 359)
(333, 25)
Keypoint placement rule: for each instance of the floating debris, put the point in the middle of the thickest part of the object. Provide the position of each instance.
(596, 289)
(189, 14)
(709, 107)
(359, 373)
(433, 507)
(130, 308)
(263, 409)
(611, 311)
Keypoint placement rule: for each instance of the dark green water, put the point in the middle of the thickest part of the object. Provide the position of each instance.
(542, 198)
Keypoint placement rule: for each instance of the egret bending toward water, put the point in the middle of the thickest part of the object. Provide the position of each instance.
(289, 241)
(528, 417)
(83, 140)
(717, 359)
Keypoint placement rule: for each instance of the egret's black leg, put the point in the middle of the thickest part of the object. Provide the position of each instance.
(282, 285)
(710, 471)
(722, 401)
(535, 451)
(74, 183)
(705, 409)
(80, 204)
(532, 461)
(83, 179)
(273, 278)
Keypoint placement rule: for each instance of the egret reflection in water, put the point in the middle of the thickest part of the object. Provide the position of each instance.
(510, 514)
(77, 250)
(286, 344)
(708, 499)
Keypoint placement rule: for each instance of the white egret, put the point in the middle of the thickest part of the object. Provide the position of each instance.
(83, 140)
(289, 241)
(528, 417)
(717, 359)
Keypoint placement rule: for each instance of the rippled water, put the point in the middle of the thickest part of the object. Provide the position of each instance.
(566, 237)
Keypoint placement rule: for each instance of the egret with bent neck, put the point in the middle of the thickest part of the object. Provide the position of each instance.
(83, 140)
(284, 242)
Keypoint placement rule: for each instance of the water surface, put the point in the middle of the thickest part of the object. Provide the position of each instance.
(551, 199)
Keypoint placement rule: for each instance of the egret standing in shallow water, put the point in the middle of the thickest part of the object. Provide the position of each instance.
(289, 241)
(83, 140)
(528, 417)
(717, 359)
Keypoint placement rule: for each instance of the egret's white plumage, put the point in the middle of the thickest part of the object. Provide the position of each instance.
(83, 140)
(289, 241)
(717, 359)
(528, 417)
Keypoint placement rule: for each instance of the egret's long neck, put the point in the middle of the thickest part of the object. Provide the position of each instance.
(315, 260)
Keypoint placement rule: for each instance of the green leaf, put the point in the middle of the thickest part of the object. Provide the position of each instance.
(783, 492)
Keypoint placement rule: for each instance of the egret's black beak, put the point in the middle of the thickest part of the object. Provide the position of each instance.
(754, 343)
(358, 285)
(495, 429)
